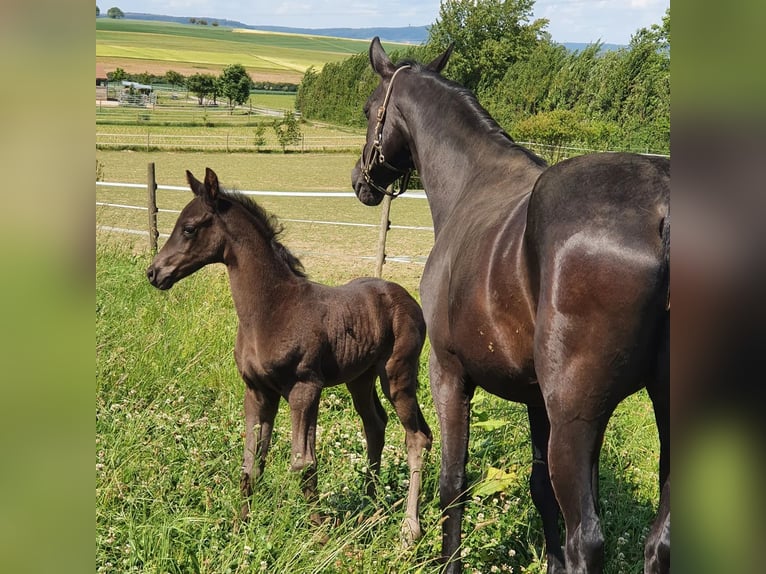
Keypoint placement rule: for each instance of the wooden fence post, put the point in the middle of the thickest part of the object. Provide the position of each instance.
(151, 188)
(385, 224)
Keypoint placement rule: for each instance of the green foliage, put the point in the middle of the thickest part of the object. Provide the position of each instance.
(201, 85)
(488, 36)
(115, 13)
(234, 84)
(174, 78)
(117, 75)
(287, 130)
(98, 11)
(602, 99)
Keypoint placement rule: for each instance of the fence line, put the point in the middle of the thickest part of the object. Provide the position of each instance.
(408, 195)
(309, 221)
(154, 234)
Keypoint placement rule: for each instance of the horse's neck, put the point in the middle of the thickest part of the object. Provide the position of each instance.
(258, 279)
(456, 153)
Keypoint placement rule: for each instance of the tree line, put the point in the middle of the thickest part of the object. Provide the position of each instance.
(234, 83)
(536, 89)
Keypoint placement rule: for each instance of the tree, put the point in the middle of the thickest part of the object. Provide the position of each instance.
(98, 11)
(201, 85)
(234, 84)
(117, 76)
(115, 12)
(488, 36)
(287, 129)
(174, 78)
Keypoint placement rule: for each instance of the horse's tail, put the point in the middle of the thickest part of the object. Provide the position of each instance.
(665, 269)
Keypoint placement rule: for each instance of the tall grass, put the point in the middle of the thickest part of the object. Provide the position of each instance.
(169, 443)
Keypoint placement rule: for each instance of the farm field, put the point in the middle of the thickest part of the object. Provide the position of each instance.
(169, 414)
(155, 47)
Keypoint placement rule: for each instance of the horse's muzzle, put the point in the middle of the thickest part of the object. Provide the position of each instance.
(364, 192)
(156, 278)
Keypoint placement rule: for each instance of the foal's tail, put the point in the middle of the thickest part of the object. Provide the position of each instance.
(665, 269)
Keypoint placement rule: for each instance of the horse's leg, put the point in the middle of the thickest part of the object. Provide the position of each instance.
(260, 412)
(542, 490)
(657, 550)
(573, 453)
(303, 399)
(374, 420)
(399, 380)
(452, 399)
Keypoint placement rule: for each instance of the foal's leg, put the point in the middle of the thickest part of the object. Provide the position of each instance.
(260, 412)
(304, 408)
(374, 420)
(452, 399)
(542, 490)
(399, 380)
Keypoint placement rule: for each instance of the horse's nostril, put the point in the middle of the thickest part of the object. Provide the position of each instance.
(150, 274)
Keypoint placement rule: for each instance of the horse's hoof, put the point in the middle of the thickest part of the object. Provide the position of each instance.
(410, 532)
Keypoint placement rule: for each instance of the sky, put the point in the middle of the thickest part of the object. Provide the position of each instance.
(608, 21)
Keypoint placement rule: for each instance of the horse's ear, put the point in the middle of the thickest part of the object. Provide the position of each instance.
(379, 60)
(195, 185)
(438, 63)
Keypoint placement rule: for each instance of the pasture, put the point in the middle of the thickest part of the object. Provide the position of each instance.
(169, 418)
(155, 47)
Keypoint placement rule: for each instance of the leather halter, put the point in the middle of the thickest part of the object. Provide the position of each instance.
(376, 149)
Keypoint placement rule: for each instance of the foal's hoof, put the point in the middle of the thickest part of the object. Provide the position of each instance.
(410, 532)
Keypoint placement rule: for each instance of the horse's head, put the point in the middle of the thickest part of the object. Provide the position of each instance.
(386, 155)
(197, 238)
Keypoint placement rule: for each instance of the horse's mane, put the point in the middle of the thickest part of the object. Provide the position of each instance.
(270, 228)
(479, 115)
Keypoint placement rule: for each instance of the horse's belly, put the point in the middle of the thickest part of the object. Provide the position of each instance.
(497, 354)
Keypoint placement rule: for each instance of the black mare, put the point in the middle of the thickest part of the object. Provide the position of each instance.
(546, 285)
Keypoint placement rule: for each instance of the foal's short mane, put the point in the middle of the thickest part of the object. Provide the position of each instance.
(269, 227)
(480, 115)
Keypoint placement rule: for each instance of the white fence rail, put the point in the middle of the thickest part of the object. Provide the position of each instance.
(381, 257)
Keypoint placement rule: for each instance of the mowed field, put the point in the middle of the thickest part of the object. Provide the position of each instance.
(156, 47)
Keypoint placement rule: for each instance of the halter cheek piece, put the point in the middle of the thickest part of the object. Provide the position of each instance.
(375, 155)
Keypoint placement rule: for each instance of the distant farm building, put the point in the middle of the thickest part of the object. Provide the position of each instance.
(136, 94)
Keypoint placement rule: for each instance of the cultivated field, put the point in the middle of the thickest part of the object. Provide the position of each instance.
(155, 47)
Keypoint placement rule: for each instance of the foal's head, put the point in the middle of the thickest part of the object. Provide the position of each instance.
(206, 226)
(197, 239)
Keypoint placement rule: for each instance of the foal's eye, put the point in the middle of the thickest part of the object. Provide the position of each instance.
(189, 230)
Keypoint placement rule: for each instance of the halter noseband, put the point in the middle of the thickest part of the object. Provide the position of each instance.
(376, 149)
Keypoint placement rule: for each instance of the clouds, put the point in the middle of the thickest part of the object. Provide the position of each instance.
(611, 21)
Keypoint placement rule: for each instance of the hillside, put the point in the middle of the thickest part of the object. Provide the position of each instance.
(406, 35)
(139, 45)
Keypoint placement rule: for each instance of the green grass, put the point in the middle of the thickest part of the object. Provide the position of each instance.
(169, 423)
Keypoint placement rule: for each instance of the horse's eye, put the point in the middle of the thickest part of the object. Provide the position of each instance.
(189, 230)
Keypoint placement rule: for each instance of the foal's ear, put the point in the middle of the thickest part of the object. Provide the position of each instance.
(438, 63)
(195, 185)
(379, 60)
